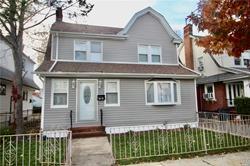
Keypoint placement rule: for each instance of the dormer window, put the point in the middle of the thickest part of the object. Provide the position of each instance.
(90, 51)
(149, 54)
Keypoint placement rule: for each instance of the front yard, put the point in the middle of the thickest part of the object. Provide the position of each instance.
(161, 142)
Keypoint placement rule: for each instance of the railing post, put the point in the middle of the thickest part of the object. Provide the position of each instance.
(101, 113)
(204, 138)
(71, 119)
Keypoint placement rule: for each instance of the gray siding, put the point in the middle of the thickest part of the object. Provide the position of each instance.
(132, 109)
(146, 30)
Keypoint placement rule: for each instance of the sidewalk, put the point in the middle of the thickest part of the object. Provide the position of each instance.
(231, 159)
(91, 152)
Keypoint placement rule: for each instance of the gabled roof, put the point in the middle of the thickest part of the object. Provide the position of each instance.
(157, 15)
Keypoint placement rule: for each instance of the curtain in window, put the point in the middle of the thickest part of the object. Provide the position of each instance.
(164, 92)
(150, 92)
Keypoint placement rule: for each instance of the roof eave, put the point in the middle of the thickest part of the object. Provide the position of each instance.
(94, 35)
(115, 75)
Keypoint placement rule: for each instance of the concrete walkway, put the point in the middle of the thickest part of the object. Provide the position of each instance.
(230, 159)
(91, 152)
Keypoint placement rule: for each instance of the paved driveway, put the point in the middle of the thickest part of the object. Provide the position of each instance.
(231, 159)
(91, 152)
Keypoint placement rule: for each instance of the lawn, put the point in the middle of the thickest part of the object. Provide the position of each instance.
(25, 150)
(132, 145)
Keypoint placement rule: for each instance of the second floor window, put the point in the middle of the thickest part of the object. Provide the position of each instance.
(88, 51)
(149, 54)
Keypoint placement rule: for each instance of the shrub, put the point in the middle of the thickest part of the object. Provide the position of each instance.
(242, 105)
(7, 131)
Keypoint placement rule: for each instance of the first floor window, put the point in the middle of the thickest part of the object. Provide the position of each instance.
(112, 92)
(234, 90)
(237, 61)
(209, 92)
(2, 89)
(25, 95)
(162, 92)
(59, 93)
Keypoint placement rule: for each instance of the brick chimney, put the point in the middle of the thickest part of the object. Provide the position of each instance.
(59, 14)
(188, 30)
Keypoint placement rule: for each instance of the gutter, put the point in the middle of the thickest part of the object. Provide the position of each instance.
(94, 35)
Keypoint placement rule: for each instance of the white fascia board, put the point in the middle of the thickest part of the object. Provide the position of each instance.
(94, 35)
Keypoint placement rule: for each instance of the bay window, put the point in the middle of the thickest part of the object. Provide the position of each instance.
(162, 92)
(112, 92)
(59, 93)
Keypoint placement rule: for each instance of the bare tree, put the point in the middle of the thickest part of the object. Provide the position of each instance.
(18, 16)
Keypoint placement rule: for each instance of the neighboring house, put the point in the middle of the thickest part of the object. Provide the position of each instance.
(136, 70)
(223, 77)
(36, 99)
(6, 77)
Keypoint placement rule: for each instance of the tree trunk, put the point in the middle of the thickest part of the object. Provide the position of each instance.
(18, 84)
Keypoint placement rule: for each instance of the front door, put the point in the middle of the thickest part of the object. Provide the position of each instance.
(87, 100)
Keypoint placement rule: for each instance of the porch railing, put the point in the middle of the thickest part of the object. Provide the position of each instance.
(217, 132)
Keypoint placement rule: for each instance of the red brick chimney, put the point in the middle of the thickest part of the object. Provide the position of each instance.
(59, 14)
(188, 30)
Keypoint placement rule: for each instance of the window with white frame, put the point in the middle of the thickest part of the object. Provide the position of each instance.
(162, 92)
(234, 90)
(112, 92)
(149, 54)
(209, 92)
(59, 93)
(88, 51)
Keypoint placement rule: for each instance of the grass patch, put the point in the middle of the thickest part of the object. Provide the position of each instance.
(133, 147)
(26, 150)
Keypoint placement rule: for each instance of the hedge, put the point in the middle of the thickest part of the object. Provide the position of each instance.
(242, 105)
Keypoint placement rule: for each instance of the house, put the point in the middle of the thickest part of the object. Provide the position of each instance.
(223, 78)
(6, 78)
(114, 77)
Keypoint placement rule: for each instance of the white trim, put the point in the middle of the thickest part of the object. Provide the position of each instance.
(95, 35)
(117, 62)
(149, 54)
(161, 19)
(118, 92)
(196, 102)
(43, 105)
(124, 129)
(78, 81)
(156, 92)
(52, 93)
(52, 67)
(205, 90)
(57, 45)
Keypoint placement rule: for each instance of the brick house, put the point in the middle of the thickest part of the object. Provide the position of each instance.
(223, 78)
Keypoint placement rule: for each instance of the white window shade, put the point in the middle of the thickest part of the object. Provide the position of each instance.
(60, 86)
(95, 47)
(80, 46)
(155, 50)
(112, 92)
(143, 49)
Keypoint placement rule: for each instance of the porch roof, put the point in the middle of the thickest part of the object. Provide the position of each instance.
(221, 77)
(9, 75)
(91, 67)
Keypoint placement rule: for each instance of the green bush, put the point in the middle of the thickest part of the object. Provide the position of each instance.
(6, 131)
(242, 105)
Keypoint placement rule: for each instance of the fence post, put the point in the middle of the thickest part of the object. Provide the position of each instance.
(204, 138)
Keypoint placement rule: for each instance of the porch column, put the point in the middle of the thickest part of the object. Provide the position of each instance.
(246, 84)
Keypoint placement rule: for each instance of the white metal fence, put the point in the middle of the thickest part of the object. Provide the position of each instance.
(44, 148)
(175, 139)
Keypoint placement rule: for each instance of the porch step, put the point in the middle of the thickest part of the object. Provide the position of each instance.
(90, 131)
(89, 134)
